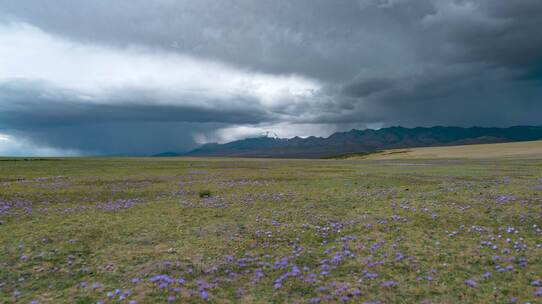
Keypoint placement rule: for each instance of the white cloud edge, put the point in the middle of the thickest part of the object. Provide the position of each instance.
(102, 74)
(12, 146)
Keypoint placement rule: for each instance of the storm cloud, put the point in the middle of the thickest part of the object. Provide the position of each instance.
(141, 77)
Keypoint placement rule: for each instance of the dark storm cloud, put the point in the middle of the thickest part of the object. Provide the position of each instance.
(117, 138)
(483, 97)
(314, 37)
(367, 87)
(366, 62)
(61, 120)
(28, 105)
(498, 32)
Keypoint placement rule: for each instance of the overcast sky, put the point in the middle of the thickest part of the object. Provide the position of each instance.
(102, 77)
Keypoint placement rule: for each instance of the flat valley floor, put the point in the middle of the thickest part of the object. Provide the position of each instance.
(178, 230)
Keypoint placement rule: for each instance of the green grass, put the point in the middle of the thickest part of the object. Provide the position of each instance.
(113, 219)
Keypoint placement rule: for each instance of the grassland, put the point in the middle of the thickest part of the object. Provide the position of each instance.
(482, 151)
(271, 231)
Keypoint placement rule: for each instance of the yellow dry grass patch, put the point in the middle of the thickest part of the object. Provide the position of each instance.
(515, 149)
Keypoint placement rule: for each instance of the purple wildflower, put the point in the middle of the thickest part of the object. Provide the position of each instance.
(388, 283)
(204, 295)
(369, 275)
(125, 294)
(471, 283)
(336, 258)
(355, 292)
(162, 280)
(295, 271)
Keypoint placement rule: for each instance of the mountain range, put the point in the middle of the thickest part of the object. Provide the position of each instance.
(363, 141)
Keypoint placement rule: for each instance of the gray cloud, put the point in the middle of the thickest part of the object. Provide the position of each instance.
(336, 63)
(116, 138)
(32, 105)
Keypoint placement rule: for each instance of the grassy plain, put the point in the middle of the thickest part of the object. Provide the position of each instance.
(144, 230)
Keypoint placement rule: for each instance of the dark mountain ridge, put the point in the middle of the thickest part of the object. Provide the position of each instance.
(359, 141)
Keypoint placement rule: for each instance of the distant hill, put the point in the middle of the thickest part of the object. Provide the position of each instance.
(167, 154)
(360, 141)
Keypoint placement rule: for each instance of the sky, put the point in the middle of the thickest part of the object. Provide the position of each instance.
(138, 77)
